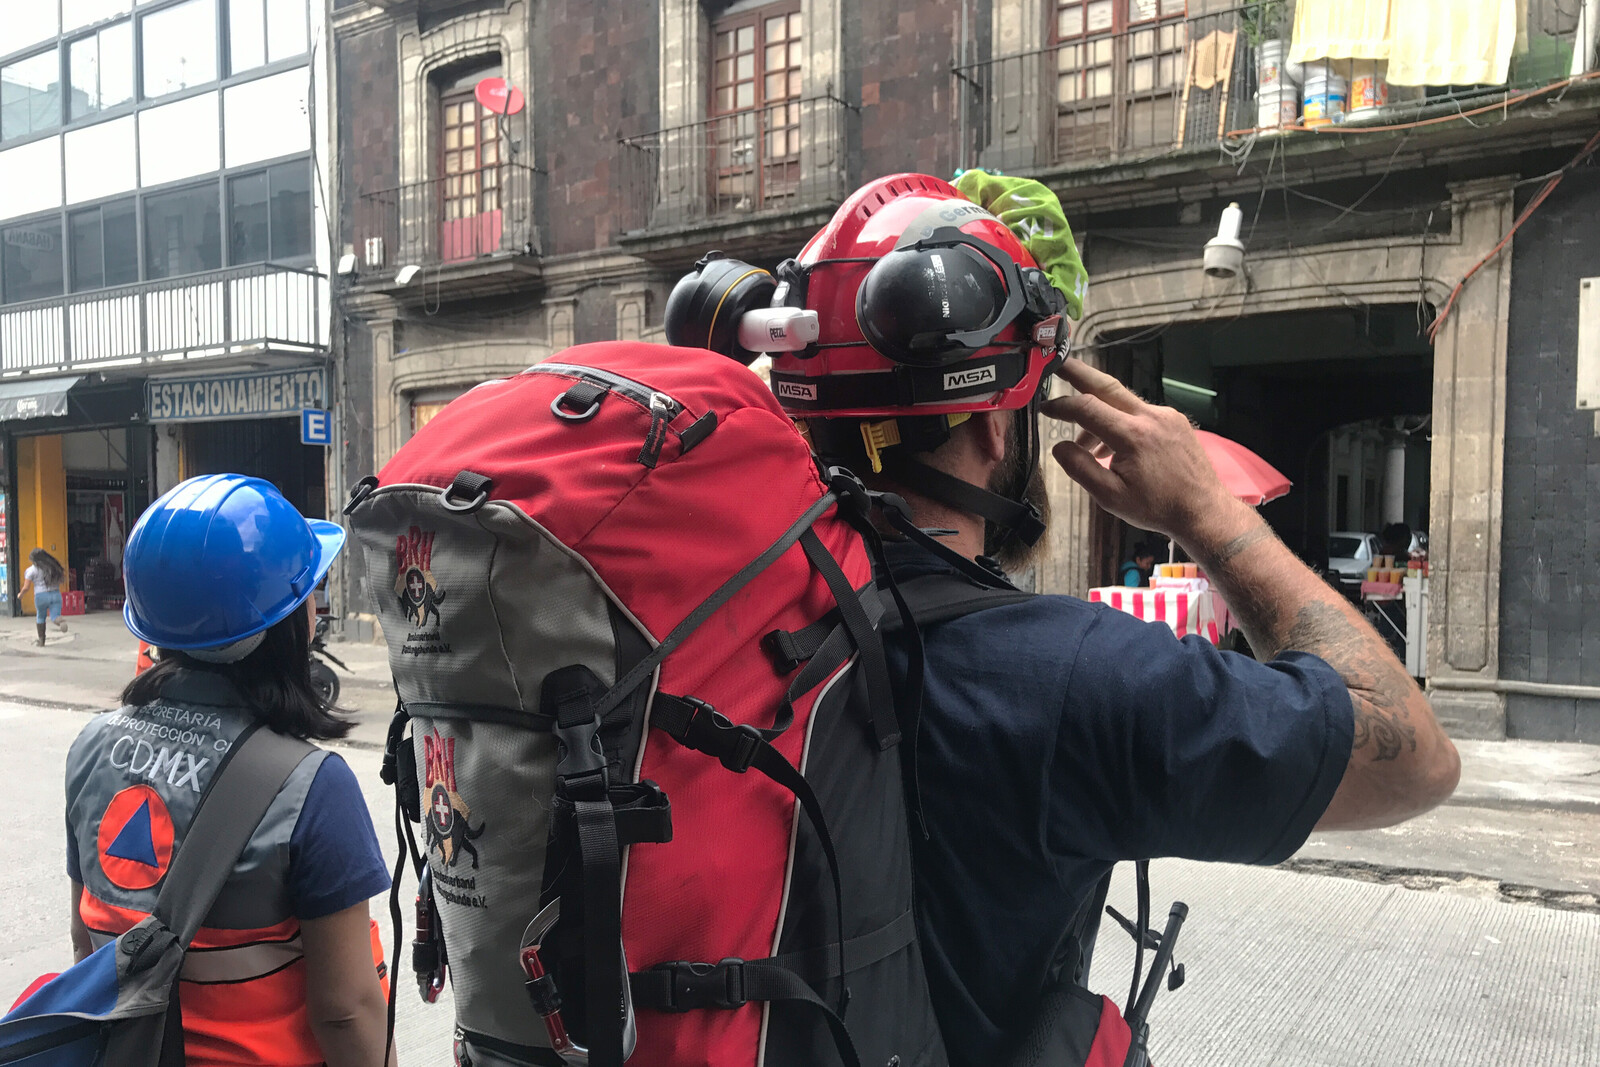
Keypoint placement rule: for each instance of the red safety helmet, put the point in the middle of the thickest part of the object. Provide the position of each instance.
(913, 308)
(927, 305)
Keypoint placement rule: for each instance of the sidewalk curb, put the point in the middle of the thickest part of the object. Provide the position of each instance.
(53, 705)
(1574, 805)
(1421, 878)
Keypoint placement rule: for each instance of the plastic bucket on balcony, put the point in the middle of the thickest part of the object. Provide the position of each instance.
(1277, 105)
(1270, 70)
(1325, 98)
(1368, 87)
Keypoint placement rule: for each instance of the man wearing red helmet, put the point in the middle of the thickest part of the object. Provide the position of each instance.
(1060, 737)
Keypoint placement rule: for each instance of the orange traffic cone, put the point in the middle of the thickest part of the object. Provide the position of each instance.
(145, 660)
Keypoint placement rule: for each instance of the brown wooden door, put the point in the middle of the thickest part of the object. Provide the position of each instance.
(755, 107)
(470, 178)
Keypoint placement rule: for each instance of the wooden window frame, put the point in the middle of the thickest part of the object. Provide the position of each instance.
(1123, 95)
(754, 150)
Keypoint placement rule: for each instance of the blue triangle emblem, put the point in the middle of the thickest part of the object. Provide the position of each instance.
(134, 841)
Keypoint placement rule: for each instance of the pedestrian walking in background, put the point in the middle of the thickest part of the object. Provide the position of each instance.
(220, 573)
(45, 574)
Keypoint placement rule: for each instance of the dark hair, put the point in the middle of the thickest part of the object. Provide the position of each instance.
(50, 568)
(275, 681)
(1395, 540)
(1142, 550)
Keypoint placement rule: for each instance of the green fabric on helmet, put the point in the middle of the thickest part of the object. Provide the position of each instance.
(1032, 212)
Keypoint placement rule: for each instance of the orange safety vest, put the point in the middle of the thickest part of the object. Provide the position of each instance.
(134, 780)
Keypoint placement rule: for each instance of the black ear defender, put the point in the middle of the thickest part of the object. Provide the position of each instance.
(704, 308)
(937, 300)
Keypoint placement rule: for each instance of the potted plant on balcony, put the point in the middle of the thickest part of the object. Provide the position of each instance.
(1264, 24)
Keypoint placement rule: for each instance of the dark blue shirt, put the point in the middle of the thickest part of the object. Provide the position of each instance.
(1059, 737)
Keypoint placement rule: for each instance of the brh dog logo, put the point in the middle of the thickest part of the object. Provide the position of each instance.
(420, 595)
(449, 831)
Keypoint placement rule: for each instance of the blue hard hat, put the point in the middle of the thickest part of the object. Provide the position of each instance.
(220, 558)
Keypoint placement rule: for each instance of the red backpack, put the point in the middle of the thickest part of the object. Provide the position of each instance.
(647, 728)
(653, 747)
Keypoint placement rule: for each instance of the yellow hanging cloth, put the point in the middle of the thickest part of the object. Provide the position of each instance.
(1451, 42)
(1340, 29)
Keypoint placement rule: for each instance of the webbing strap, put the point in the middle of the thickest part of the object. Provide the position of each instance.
(732, 983)
(694, 724)
(255, 768)
(602, 922)
(817, 965)
(726, 592)
(880, 692)
(1018, 516)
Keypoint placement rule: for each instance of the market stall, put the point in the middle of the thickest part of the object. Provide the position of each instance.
(1186, 605)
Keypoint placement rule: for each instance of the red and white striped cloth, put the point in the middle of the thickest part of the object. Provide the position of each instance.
(1185, 611)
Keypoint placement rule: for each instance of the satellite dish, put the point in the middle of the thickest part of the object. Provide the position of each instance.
(498, 96)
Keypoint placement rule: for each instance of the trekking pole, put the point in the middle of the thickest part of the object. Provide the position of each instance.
(1138, 1052)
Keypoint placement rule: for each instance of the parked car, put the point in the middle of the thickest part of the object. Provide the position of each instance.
(1350, 554)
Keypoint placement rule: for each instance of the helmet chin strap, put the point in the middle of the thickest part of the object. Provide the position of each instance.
(1019, 518)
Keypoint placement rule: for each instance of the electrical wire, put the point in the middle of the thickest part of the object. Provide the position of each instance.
(1539, 198)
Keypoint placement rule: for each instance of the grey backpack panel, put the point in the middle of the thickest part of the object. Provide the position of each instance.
(476, 609)
(487, 853)
(466, 621)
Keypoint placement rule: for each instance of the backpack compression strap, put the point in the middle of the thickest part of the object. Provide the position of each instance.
(581, 777)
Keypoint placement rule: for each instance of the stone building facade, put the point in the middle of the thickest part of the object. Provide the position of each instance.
(655, 131)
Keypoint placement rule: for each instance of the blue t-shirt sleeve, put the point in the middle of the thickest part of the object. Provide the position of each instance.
(1173, 748)
(334, 860)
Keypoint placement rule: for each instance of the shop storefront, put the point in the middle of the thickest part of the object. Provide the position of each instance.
(76, 471)
(248, 423)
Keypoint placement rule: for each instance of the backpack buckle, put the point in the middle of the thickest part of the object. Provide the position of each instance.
(691, 986)
(735, 745)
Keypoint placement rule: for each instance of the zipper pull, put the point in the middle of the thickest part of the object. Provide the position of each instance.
(662, 410)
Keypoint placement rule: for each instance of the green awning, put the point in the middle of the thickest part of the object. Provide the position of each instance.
(35, 398)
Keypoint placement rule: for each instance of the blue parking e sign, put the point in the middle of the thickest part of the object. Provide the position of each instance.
(316, 427)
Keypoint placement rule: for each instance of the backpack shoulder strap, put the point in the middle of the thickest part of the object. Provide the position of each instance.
(940, 597)
(254, 770)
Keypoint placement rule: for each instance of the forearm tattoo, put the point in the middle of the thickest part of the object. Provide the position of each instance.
(1377, 683)
(1228, 551)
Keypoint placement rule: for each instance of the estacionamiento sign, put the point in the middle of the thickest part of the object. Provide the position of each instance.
(237, 396)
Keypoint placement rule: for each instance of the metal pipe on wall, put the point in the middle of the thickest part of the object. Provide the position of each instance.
(1505, 686)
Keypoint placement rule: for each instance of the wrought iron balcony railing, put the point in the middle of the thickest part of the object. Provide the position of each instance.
(781, 157)
(1136, 79)
(217, 313)
(451, 219)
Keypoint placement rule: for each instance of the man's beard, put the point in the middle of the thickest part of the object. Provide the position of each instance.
(1014, 480)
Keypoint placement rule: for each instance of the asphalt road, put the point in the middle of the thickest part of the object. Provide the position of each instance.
(1371, 964)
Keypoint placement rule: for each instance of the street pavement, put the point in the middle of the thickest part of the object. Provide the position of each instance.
(1470, 936)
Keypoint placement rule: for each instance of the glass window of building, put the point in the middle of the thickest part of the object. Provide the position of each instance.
(30, 260)
(269, 214)
(30, 95)
(75, 13)
(265, 31)
(180, 47)
(101, 70)
(182, 232)
(103, 246)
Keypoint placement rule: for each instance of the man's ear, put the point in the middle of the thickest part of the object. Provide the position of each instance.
(990, 434)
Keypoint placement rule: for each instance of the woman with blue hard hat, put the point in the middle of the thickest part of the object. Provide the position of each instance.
(220, 573)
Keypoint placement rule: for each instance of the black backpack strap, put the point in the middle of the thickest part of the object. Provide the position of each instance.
(943, 596)
(254, 769)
